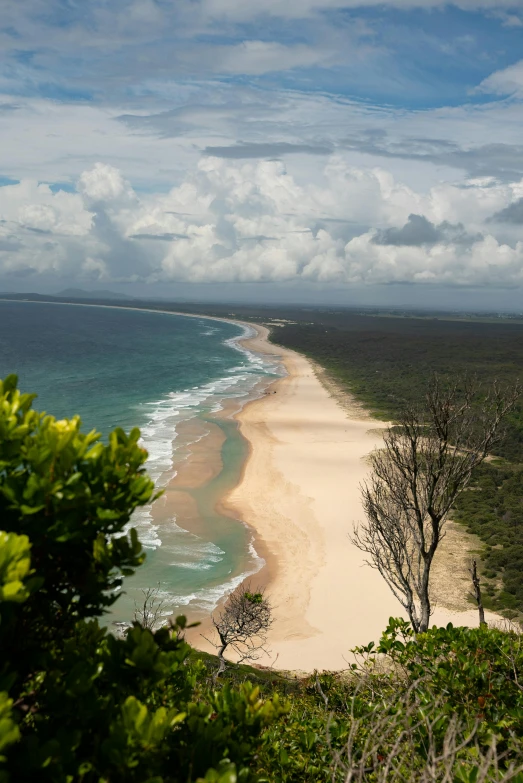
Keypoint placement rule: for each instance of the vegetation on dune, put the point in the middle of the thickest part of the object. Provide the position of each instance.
(492, 509)
(79, 704)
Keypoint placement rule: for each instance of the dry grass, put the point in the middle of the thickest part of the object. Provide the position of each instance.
(408, 745)
(450, 579)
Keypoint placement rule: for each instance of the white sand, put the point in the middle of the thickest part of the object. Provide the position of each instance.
(300, 492)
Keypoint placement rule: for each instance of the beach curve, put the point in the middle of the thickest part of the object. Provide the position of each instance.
(300, 493)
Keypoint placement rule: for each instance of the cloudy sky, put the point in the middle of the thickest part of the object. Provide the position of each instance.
(288, 150)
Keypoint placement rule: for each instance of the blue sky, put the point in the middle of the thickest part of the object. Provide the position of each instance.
(264, 150)
(402, 56)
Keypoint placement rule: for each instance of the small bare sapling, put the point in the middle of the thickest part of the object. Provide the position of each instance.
(150, 612)
(242, 626)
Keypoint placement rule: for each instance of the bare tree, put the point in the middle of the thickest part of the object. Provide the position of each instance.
(477, 591)
(149, 614)
(242, 625)
(427, 460)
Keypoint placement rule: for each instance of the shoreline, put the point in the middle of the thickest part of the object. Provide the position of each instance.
(299, 493)
(202, 464)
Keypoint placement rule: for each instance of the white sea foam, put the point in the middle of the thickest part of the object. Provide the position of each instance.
(208, 598)
(205, 599)
(160, 438)
(159, 433)
(146, 529)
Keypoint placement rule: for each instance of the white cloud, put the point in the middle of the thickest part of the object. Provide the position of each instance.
(240, 10)
(508, 19)
(35, 206)
(258, 57)
(104, 183)
(508, 81)
(486, 262)
(232, 221)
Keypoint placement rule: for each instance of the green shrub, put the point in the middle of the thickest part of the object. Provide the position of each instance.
(76, 703)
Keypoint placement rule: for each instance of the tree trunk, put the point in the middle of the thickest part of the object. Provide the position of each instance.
(477, 593)
(424, 595)
(425, 614)
(223, 664)
(413, 616)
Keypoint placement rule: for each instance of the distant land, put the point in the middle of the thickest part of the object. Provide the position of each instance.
(69, 295)
(79, 293)
(259, 312)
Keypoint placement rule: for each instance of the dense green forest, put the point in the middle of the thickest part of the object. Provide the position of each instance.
(80, 704)
(492, 508)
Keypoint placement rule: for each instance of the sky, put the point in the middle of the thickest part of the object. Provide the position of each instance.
(319, 151)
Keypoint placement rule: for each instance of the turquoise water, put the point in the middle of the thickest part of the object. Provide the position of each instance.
(120, 367)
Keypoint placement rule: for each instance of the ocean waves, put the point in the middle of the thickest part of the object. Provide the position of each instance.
(160, 432)
(194, 572)
(206, 598)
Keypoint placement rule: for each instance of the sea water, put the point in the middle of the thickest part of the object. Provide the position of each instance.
(158, 371)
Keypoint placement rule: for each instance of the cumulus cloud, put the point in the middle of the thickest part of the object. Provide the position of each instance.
(104, 184)
(253, 222)
(418, 230)
(511, 214)
(485, 262)
(508, 81)
(80, 234)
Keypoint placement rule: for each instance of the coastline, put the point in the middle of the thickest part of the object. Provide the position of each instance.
(210, 453)
(299, 493)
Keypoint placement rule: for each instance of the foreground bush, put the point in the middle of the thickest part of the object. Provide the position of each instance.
(443, 707)
(76, 703)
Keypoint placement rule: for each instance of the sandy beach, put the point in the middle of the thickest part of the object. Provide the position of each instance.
(300, 494)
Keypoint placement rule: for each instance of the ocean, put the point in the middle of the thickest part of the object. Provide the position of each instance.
(177, 378)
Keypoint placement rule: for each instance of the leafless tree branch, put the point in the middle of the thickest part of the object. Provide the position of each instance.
(402, 743)
(150, 612)
(242, 625)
